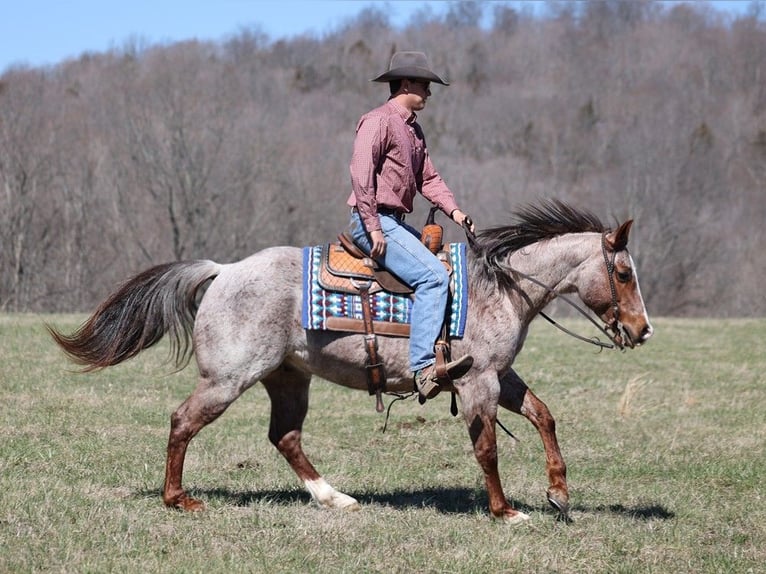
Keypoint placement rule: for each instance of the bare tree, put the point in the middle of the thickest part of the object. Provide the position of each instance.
(26, 176)
(201, 149)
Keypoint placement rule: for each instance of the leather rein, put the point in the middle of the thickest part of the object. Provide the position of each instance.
(614, 326)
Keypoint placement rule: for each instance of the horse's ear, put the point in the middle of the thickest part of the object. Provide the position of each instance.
(617, 240)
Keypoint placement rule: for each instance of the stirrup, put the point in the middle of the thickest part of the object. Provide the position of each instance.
(428, 384)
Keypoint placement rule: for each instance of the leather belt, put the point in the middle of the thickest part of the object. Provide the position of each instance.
(398, 215)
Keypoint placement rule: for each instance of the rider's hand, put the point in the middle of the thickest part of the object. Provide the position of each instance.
(378, 244)
(459, 217)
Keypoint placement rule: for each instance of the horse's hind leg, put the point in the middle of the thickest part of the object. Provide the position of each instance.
(288, 389)
(208, 401)
(516, 396)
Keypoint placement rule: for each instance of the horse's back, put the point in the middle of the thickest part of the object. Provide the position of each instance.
(273, 268)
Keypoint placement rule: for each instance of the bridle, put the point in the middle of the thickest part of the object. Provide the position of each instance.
(613, 331)
(615, 326)
(615, 336)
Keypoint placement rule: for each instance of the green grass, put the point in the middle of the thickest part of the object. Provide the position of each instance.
(664, 444)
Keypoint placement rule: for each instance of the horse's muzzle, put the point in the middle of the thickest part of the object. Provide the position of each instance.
(625, 336)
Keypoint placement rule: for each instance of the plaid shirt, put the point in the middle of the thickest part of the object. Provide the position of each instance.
(390, 164)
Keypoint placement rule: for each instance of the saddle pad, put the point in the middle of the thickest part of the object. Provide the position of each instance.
(320, 304)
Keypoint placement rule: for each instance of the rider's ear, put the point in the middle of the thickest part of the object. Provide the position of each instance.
(617, 240)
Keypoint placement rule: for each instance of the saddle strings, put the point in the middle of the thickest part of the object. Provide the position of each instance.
(397, 397)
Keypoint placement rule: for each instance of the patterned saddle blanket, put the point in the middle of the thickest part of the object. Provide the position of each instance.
(329, 304)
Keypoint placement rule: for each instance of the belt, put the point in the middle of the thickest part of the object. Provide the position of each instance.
(398, 215)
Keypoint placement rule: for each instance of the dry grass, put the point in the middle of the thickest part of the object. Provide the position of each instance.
(665, 447)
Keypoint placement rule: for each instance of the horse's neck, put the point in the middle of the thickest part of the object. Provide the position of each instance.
(555, 263)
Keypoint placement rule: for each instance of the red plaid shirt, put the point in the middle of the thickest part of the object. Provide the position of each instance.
(390, 164)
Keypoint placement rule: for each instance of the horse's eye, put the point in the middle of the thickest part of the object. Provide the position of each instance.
(624, 276)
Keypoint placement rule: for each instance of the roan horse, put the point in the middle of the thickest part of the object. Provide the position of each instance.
(247, 328)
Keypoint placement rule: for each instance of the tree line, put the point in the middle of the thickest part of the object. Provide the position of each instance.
(115, 161)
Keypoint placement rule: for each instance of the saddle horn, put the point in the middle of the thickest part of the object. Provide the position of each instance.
(432, 233)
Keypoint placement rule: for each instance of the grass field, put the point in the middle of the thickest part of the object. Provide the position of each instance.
(664, 444)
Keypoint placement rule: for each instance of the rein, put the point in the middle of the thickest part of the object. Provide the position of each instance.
(615, 343)
(614, 326)
(592, 340)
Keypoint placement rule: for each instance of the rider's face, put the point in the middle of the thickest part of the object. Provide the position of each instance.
(419, 91)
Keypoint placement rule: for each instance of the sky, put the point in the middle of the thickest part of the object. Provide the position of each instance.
(46, 32)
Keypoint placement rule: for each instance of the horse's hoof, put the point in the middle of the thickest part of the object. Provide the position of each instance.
(186, 503)
(515, 518)
(193, 505)
(345, 502)
(560, 505)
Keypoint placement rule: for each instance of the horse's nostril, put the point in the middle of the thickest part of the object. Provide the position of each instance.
(646, 332)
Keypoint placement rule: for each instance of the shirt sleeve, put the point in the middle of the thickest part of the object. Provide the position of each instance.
(435, 190)
(368, 151)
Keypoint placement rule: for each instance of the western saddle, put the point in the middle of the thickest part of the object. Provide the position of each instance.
(346, 268)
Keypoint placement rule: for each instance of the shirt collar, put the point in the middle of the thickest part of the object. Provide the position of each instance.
(408, 116)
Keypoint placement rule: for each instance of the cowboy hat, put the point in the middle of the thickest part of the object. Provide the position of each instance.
(410, 66)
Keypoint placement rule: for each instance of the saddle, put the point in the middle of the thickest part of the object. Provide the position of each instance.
(347, 269)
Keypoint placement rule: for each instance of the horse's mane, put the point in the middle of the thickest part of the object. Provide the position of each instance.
(532, 223)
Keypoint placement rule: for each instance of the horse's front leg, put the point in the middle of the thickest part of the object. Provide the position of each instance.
(288, 389)
(479, 401)
(516, 396)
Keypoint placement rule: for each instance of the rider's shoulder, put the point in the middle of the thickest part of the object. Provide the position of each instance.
(382, 115)
(383, 111)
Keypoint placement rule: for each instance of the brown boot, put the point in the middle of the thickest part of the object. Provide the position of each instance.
(459, 367)
(428, 383)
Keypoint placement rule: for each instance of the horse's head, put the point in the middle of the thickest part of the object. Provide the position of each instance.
(563, 250)
(613, 292)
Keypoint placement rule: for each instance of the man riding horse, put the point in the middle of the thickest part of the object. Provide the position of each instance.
(389, 165)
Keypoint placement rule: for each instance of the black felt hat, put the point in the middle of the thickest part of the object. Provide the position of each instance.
(410, 66)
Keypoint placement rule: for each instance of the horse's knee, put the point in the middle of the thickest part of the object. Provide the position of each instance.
(486, 454)
(484, 441)
(538, 413)
(545, 420)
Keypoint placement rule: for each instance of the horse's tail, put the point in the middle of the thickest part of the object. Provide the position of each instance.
(160, 300)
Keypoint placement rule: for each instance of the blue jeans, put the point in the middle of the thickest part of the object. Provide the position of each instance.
(410, 260)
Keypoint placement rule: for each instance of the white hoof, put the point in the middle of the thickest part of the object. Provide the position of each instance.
(346, 502)
(326, 496)
(518, 518)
